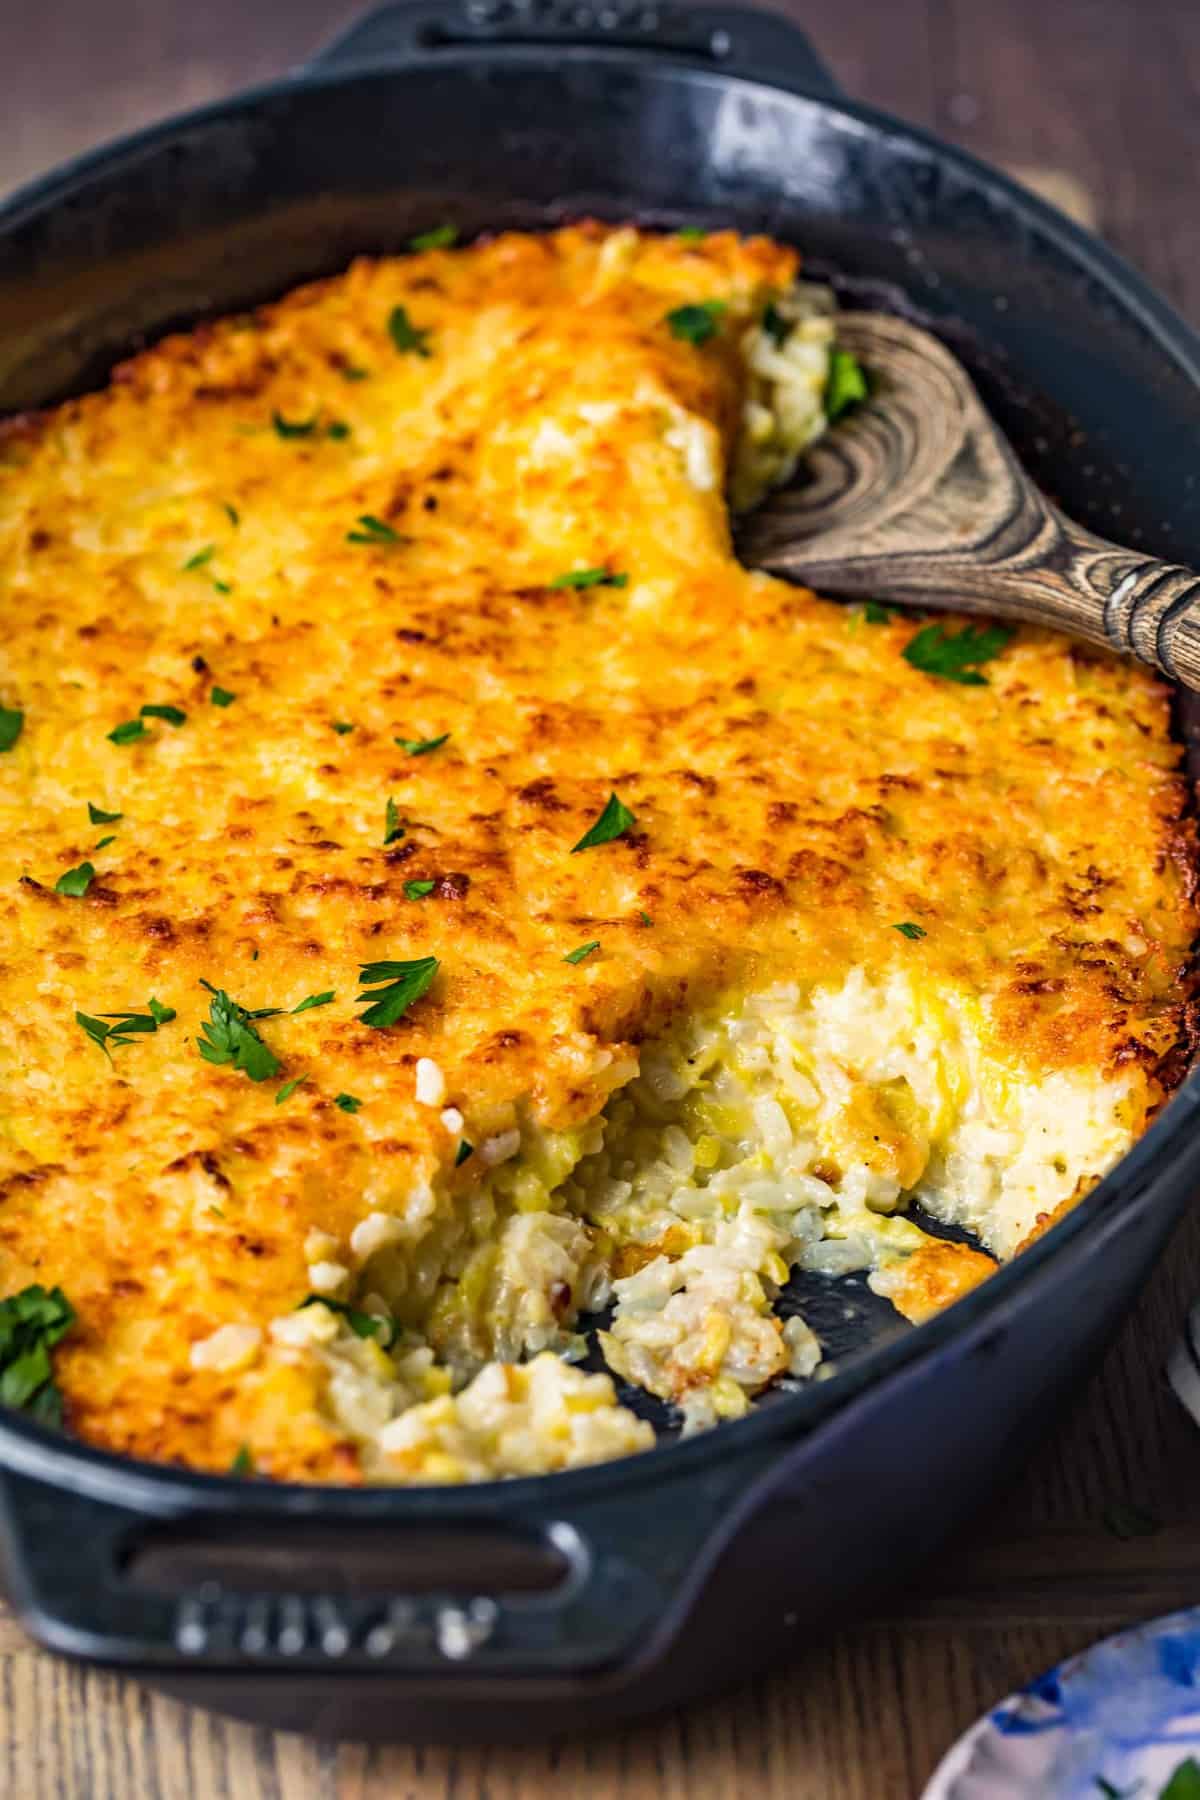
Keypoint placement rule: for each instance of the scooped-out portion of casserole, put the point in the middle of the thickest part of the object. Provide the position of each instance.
(444, 897)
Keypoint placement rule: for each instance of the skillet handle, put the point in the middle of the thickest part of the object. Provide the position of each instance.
(247, 1577)
(738, 40)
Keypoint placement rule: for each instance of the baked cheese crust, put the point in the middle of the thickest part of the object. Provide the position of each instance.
(353, 512)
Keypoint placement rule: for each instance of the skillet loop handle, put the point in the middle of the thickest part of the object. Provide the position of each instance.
(259, 1579)
(738, 40)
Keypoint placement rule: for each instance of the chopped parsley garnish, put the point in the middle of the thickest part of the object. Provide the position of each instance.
(418, 890)
(422, 746)
(124, 1025)
(294, 428)
(691, 234)
(314, 1000)
(289, 1088)
(31, 1323)
(228, 1036)
(129, 732)
(590, 578)
(76, 882)
(393, 987)
(173, 715)
(98, 816)
(338, 430)
(222, 697)
(104, 842)
(909, 930)
(353, 372)
(464, 1151)
(405, 335)
(349, 1103)
(698, 321)
(12, 719)
(342, 726)
(243, 1462)
(777, 328)
(876, 613)
(440, 238)
(201, 557)
(645, 918)
(845, 385)
(373, 531)
(577, 956)
(392, 827)
(231, 512)
(613, 822)
(223, 587)
(362, 1324)
(956, 655)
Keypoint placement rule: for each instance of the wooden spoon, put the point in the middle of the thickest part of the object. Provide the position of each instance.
(916, 496)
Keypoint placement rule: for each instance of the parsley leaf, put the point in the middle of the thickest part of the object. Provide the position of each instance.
(645, 918)
(613, 822)
(99, 817)
(172, 714)
(955, 655)
(418, 890)
(347, 1102)
(845, 385)
(342, 727)
(405, 335)
(228, 1036)
(440, 238)
(589, 578)
(243, 1462)
(394, 986)
(76, 882)
(875, 613)
(294, 428)
(777, 328)
(353, 372)
(129, 732)
(697, 322)
(222, 697)
(125, 1025)
(31, 1323)
(464, 1151)
(909, 930)
(392, 828)
(12, 719)
(338, 430)
(104, 842)
(577, 956)
(374, 531)
(289, 1088)
(201, 557)
(223, 587)
(362, 1324)
(691, 234)
(314, 1000)
(422, 746)
(231, 512)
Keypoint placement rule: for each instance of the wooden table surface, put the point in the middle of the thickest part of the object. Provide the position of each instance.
(1104, 95)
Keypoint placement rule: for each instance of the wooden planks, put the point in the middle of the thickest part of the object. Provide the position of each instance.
(1106, 92)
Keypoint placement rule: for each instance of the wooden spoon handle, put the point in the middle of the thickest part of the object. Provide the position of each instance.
(918, 497)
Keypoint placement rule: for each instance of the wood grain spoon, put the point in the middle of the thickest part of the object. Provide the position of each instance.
(916, 496)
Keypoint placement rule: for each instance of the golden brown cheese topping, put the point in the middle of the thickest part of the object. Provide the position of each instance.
(420, 566)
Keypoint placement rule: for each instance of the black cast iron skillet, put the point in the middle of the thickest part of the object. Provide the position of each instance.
(533, 1606)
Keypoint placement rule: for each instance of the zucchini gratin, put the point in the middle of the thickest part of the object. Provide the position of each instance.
(445, 897)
